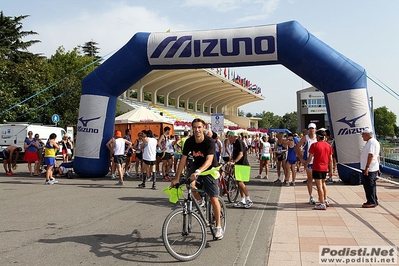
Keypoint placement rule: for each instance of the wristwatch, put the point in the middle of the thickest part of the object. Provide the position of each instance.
(198, 171)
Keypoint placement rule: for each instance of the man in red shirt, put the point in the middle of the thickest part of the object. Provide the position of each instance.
(321, 151)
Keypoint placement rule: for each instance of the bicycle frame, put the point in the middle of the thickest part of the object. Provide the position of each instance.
(188, 203)
(222, 179)
(227, 183)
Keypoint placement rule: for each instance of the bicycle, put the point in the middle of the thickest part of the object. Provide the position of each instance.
(227, 183)
(184, 230)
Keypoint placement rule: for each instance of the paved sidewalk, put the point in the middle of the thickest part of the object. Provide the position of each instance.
(299, 230)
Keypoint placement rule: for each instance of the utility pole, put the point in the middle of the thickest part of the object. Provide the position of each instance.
(372, 108)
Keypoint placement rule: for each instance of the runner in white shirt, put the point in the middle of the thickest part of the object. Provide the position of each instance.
(117, 148)
(149, 158)
(264, 157)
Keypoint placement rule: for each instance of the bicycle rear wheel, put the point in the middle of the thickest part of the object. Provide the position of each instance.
(223, 221)
(232, 189)
(181, 243)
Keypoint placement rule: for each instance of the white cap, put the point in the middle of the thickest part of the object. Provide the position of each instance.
(313, 125)
(322, 129)
(367, 131)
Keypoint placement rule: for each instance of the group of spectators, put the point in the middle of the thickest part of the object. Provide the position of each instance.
(36, 153)
(315, 152)
(153, 155)
(285, 152)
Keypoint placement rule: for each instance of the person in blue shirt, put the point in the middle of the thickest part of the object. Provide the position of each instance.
(30, 146)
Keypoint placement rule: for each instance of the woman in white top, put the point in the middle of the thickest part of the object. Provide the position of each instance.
(264, 158)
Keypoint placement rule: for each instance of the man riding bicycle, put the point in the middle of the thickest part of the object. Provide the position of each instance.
(202, 149)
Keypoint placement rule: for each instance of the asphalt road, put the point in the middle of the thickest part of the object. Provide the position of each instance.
(94, 222)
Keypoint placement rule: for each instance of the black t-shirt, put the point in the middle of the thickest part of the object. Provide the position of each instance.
(199, 151)
(239, 146)
(272, 142)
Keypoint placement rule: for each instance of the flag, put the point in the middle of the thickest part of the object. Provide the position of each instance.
(168, 30)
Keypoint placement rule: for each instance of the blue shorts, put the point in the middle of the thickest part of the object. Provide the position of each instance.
(310, 166)
(49, 161)
(6, 155)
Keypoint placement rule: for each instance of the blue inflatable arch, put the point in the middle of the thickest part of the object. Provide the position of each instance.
(342, 81)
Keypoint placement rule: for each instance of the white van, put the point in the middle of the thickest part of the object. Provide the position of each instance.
(15, 133)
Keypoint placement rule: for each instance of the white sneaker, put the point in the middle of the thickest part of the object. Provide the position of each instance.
(292, 184)
(113, 177)
(266, 177)
(327, 203)
(312, 201)
(49, 182)
(53, 180)
(258, 177)
(321, 206)
(248, 204)
(219, 233)
(239, 205)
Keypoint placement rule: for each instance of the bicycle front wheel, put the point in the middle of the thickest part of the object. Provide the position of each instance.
(182, 240)
(232, 189)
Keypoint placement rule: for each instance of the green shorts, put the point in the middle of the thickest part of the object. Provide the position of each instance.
(265, 158)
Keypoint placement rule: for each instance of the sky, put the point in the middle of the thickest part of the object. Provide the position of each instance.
(365, 31)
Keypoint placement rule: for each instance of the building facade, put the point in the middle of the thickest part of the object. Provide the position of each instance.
(311, 108)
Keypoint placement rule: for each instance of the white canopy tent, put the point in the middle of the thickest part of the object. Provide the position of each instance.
(140, 115)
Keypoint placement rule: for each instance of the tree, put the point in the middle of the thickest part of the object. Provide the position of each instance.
(12, 47)
(290, 121)
(248, 115)
(240, 112)
(270, 120)
(91, 49)
(384, 122)
(19, 81)
(67, 91)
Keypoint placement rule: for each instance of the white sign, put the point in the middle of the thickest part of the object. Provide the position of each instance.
(217, 123)
(254, 44)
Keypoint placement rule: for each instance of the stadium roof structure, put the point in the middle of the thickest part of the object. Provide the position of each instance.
(202, 87)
